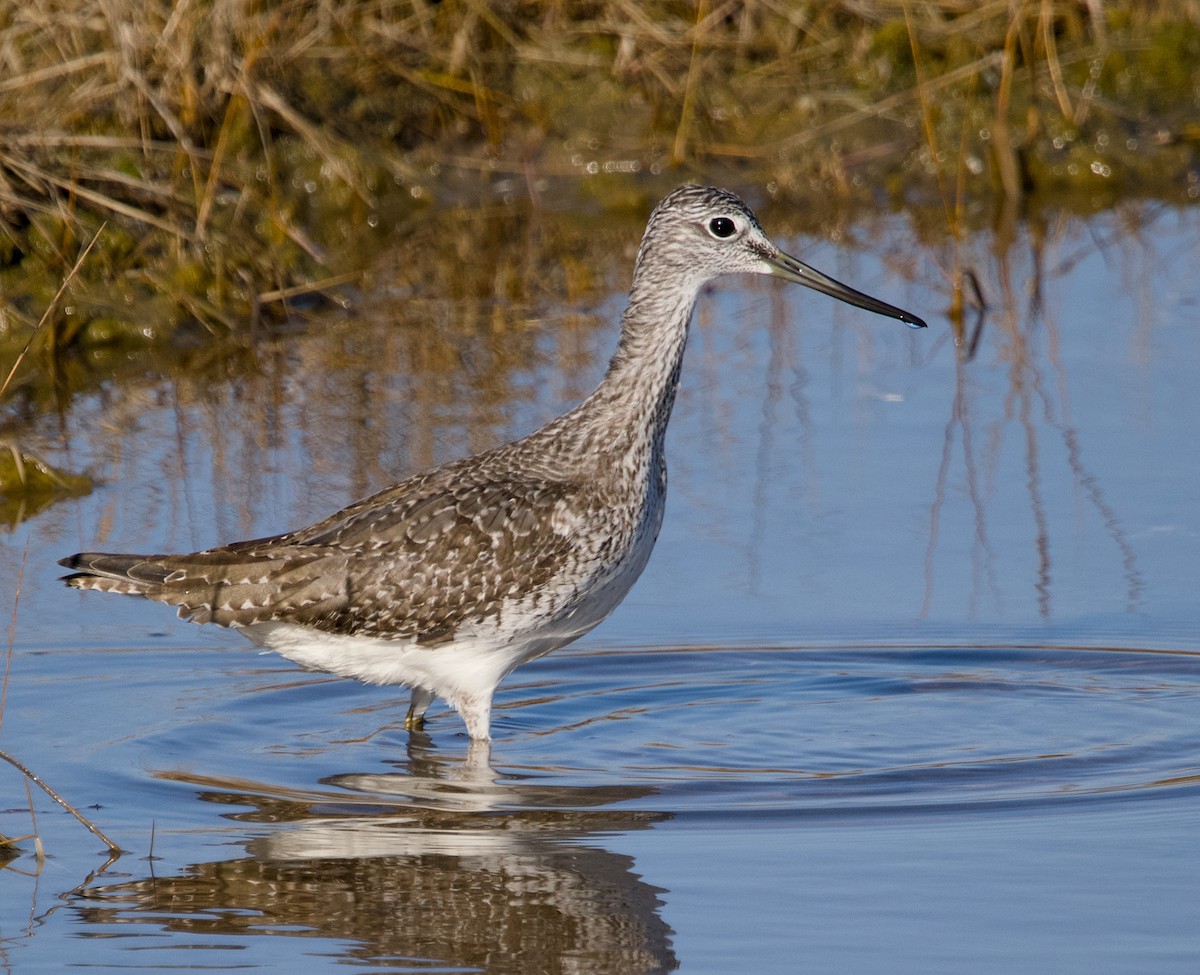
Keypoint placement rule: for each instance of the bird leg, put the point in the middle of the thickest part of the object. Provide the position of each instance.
(415, 719)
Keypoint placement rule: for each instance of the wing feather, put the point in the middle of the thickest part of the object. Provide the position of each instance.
(417, 560)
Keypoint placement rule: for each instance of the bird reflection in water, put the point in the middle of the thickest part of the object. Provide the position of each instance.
(444, 860)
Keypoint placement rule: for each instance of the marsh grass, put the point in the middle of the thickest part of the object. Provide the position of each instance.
(248, 157)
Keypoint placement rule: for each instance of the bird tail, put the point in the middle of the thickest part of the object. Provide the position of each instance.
(230, 586)
(135, 575)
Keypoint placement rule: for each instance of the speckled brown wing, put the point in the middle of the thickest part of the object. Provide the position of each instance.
(415, 561)
(450, 550)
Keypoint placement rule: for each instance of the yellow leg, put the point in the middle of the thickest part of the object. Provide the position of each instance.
(415, 719)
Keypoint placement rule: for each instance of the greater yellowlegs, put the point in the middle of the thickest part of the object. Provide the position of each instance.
(452, 578)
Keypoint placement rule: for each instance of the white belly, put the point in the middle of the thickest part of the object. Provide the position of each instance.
(469, 664)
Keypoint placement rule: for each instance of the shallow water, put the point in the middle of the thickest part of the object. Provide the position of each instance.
(910, 684)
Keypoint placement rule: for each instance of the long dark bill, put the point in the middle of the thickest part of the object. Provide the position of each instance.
(791, 269)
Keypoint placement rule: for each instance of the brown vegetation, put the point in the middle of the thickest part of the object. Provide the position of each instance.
(245, 154)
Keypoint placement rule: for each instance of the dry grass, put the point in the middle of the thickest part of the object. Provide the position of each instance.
(247, 153)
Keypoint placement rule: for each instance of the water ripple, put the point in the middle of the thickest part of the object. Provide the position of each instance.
(851, 731)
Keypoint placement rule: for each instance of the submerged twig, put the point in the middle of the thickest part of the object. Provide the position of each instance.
(31, 776)
(981, 307)
(19, 766)
(39, 848)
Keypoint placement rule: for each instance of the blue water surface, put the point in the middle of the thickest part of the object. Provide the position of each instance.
(910, 684)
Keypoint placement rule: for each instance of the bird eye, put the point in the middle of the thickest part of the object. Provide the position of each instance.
(722, 227)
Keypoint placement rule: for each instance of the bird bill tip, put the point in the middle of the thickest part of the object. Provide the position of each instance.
(790, 269)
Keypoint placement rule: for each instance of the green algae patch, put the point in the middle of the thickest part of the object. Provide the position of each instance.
(29, 484)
